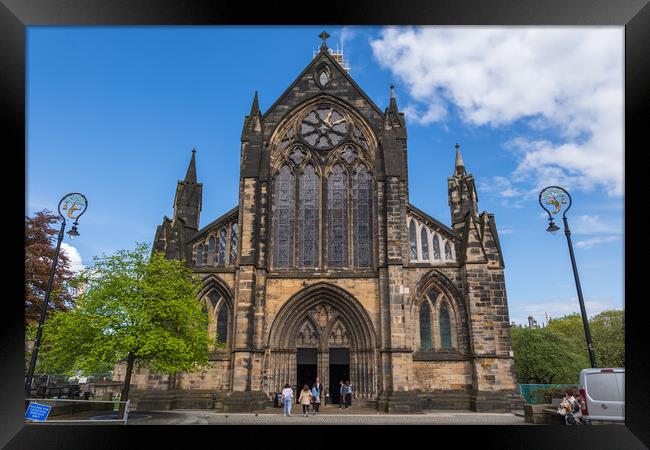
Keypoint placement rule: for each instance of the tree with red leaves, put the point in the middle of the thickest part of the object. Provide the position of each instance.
(40, 246)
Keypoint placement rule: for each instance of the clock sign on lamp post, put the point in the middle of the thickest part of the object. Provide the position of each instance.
(552, 199)
(72, 205)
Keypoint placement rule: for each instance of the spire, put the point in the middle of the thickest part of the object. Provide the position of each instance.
(392, 107)
(190, 176)
(255, 107)
(460, 165)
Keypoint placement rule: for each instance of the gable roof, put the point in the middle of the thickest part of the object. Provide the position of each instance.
(324, 53)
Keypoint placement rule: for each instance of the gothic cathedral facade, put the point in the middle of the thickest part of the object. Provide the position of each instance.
(324, 268)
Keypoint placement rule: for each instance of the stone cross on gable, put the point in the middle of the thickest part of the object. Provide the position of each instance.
(324, 37)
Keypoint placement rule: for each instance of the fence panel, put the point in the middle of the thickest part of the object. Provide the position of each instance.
(528, 390)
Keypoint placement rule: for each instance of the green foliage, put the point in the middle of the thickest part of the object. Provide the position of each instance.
(557, 352)
(608, 335)
(133, 303)
(545, 356)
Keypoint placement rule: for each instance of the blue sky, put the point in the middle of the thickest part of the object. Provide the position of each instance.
(113, 112)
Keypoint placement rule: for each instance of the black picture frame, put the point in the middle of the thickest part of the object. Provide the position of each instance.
(16, 15)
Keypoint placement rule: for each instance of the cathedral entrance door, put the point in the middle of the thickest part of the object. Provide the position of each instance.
(339, 371)
(305, 368)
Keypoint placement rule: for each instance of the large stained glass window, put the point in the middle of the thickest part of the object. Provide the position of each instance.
(309, 198)
(222, 323)
(212, 247)
(413, 241)
(447, 251)
(233, 243)
(436, 247)
(283, 218)
(221, 261)
(337, 217)
(362, 217)
(424, 239)
(425, 326)
(445, 327)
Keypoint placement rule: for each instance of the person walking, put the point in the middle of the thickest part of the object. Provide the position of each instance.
(305, 400)
(342, 391)
(315, 397)
(287, 396)
(348, 394)
(321, 388)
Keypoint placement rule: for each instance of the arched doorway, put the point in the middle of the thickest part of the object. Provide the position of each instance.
(323, 331)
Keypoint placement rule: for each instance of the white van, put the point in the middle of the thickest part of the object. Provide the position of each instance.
(604, 393)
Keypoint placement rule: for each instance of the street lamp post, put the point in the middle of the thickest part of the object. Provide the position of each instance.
(556, 197)
(75, 205)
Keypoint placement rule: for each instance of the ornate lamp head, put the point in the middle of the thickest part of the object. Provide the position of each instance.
(73, 206)
(553, 200)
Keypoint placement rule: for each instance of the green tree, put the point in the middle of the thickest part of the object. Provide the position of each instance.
(544, 355)
(608, 336)
(136, 307)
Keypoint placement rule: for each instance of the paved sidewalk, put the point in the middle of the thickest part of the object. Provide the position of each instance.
(207, 417)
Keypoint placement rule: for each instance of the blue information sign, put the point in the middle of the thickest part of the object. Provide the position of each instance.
(36, 411)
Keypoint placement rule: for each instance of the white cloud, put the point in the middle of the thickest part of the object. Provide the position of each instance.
(568, 80)
(76, 263)
(589, 243)
(587, 224)
(348, 34)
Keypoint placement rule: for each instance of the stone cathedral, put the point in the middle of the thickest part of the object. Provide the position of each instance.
(324, 268)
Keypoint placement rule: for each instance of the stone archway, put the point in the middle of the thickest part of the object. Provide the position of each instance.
(329, 321)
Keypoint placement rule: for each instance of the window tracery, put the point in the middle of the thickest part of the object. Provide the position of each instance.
(424, 239)
(212, 246)
(337, 217)
(436, 247)
(447, 251)
(283, 218)
(445, 327)
(233, 243)
(309, 199)
(362, 216)
(413, 241)
(221, 260)
(199, 255)
(425, 326)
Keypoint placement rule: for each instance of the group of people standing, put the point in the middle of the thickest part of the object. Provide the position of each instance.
(313, 397)
(571, 409)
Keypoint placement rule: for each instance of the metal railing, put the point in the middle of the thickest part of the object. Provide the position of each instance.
(114, 402)
(528, 391)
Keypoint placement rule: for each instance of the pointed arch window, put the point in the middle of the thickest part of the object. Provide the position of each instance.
(337, 218)
(212, 247)
(222, 324)
(221, 261)
(425, 326)
(413, 241)
(309, 200)
(436, 247)
(233, 243)
(199, 255)
(447, 251)
(445, 327)
(362, 216)
(283, 218)
(424, 239)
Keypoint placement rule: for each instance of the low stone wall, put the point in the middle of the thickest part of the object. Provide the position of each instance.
(542, 414)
